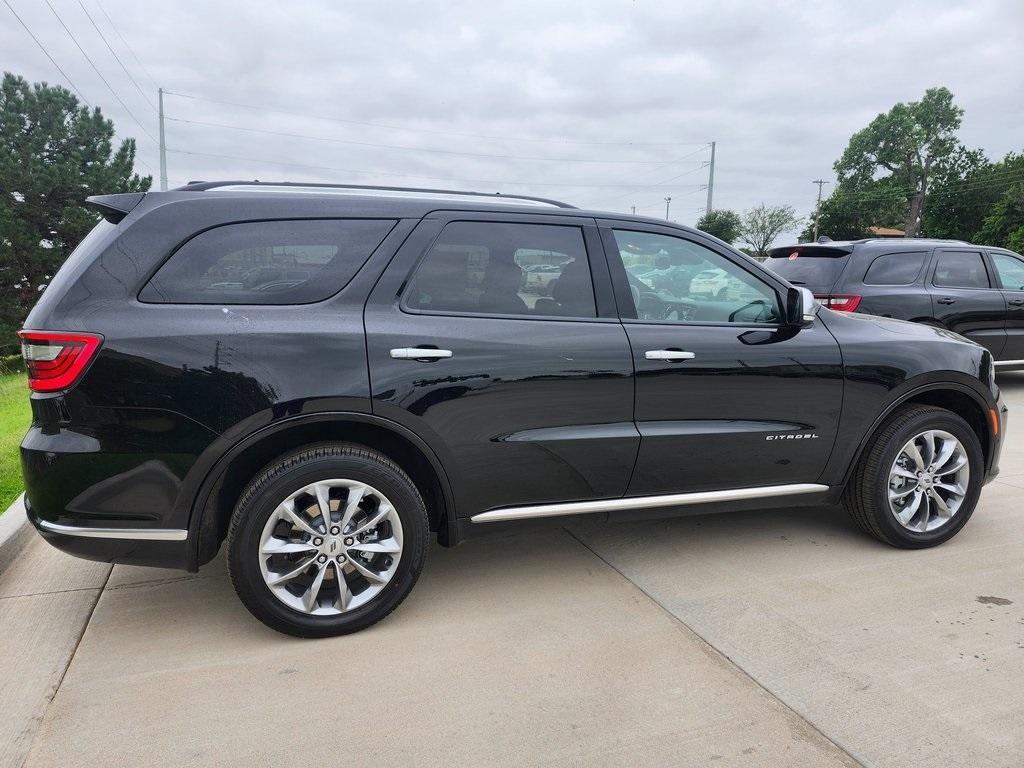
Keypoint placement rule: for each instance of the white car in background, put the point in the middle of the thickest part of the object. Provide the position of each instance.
(714, 283)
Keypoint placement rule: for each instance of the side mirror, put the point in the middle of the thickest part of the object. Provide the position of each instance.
(801, 306)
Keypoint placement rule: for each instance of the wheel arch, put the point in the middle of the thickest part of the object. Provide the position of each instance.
(952, 396)
(220, 490)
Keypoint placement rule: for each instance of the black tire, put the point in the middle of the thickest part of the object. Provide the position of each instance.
(866, 496)
(287, 475)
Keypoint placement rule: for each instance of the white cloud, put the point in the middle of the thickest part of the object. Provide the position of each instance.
(780, 87)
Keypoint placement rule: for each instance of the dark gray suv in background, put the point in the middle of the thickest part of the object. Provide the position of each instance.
(974, 290)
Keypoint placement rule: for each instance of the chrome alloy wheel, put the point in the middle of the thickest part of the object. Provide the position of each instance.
(928, 481)
(330, 547)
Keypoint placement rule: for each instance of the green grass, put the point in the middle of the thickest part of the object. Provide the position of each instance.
(15, 416)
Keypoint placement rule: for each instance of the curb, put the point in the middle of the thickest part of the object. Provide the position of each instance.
(15, 532)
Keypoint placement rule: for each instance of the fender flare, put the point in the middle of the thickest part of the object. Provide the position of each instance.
(934, 386)
(201, 499)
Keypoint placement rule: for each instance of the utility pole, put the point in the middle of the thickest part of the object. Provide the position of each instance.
(668, 202)
(711, 178)
(817, 208)
(163, 145)
(632, 209)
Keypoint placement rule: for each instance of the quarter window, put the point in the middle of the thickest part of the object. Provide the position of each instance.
(960, 269)
(1011, 271)
(267, 262)
(483, 267)
(676, 280)
(895, 269)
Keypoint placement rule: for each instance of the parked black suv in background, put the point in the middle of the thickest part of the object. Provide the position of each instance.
(323, 375)
(976, 291)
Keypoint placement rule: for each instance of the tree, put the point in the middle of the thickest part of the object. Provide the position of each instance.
(847, 213)
(966, 192)
(908, 142)
(1004, 227)
(763, 223)
(53, 154)
(725, 225)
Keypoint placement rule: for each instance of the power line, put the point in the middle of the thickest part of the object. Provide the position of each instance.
(114, 54)
(664, 183)
(998, 178)
(392, 173)
(96, 69)
(489, 137)
(43, 49)
(431, 150)
(126, 45)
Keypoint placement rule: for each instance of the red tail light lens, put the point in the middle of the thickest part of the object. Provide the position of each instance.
(840, 303)
(55, 361)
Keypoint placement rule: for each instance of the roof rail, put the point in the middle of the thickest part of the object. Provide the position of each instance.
(358, 189)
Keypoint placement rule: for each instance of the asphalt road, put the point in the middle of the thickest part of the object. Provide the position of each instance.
(771, 638)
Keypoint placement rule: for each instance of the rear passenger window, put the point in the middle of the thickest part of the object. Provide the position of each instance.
(267, 262)
(493, 268)
(895, 269)
(960, 269)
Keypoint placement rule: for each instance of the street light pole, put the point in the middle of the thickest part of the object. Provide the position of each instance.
(668, 202)
(163, 145)
(711, 179)
(817, 208)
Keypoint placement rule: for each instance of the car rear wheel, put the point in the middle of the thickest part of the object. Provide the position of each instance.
(327, 541)
(919, 479)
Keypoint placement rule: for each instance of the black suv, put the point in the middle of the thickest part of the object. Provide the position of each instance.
(324, 375)
(974, 290)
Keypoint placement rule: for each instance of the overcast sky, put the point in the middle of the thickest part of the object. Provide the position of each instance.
(534, 98)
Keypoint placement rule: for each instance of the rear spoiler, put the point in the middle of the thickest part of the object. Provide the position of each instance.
(113, 208)
(833, 250)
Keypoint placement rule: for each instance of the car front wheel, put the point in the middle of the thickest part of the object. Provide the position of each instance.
(919, 478)
(327, 541)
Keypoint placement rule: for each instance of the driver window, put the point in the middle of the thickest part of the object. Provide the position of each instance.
(676, 280)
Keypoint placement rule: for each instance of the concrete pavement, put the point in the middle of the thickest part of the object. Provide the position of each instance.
(775, 638)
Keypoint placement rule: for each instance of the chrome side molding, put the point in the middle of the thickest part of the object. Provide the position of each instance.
(645, 502)
(146, 534)
(1008, 362)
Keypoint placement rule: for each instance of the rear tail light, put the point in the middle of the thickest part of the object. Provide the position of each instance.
(840, 303)
(55, 361)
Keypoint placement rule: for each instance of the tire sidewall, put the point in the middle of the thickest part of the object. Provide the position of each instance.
(957, 427)
(254, 510)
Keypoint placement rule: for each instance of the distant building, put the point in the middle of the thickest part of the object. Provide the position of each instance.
(886, 232)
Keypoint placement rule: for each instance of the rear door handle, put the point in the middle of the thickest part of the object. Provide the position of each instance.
(668, 354)
(420, 353)
(1016, 302)
(947, 300)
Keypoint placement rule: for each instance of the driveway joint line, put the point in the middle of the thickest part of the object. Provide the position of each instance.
(717, 652)
(71, 658)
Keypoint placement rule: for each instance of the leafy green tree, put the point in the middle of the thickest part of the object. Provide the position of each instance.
(763, 223)
(907, 143)
(54, 153)
(725, 225)
(967, 191)
(1004, 227)
(848, 212)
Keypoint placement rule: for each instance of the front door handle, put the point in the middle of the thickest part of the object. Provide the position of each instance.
(668, 354)
(420, 353)
(1016, 302)
(947, 300)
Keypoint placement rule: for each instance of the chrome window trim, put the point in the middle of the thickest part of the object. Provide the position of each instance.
(644, 502)
(144, 534)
